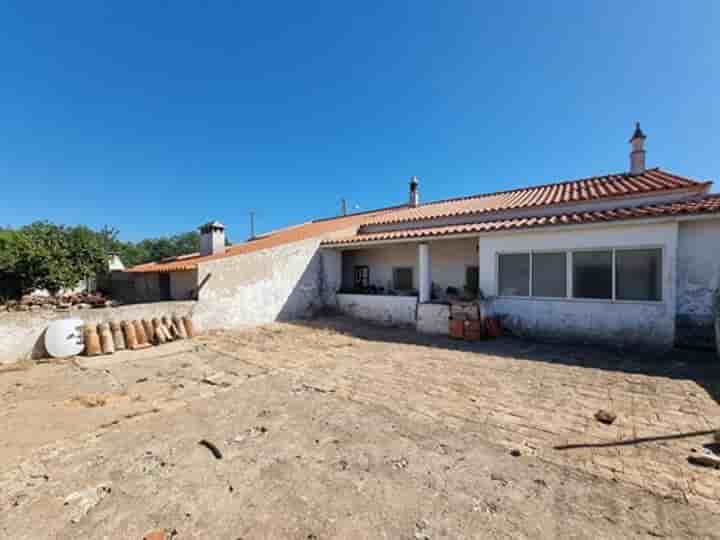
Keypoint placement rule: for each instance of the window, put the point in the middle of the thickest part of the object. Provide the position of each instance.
(592, 274)
(549, 275)
(403, 279)
(362, 277)
(472, 279)
(607, 274)
(514, 274)
(638, 274)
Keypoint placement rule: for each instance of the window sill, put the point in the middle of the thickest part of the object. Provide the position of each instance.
(582, 300)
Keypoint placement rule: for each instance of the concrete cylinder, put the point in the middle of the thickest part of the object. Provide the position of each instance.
(189, 326)
(140, 333)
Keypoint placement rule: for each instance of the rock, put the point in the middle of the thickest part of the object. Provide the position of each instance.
(705, 460)
(84, 501)
(515, 452)
(605, 417)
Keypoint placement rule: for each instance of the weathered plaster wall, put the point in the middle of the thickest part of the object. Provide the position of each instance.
(599, 321)
(281, 283)
(433, 318)
(183, 285)
(698, 267)
(388, 310)
(448, 261)
(21, 332)
(331, 262)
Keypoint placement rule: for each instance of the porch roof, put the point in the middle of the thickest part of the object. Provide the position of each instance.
(708, 204)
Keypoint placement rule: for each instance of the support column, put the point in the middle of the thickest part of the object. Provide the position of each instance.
(424, 273)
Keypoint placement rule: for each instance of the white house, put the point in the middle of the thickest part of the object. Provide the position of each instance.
(630, 258)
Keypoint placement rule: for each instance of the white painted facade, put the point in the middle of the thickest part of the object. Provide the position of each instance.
(382, 309)
(592, 320)
(690, 254)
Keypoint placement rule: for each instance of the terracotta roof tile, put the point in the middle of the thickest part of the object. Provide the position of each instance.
(624, 185)
(296, 233)
(708, 204)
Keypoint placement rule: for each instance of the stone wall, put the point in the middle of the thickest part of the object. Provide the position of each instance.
(387, 310)
(21, 332)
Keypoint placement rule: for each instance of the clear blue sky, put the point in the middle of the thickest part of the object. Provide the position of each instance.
(157, 116)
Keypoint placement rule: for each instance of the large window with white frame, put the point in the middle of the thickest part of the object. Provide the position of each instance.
(627, 274)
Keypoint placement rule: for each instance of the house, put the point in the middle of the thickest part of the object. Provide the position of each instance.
(630, 258)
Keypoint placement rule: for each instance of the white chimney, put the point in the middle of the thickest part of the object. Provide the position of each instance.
(212, 238)
(414, 193)
(637, 155)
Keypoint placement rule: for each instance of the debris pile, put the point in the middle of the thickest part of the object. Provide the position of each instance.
(36, 302)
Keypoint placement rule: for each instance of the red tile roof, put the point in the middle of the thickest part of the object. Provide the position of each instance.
(606, 187)
(708, 204)
(348, 229)
(319, 228)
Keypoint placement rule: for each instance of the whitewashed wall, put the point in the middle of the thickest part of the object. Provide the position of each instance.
(285, 282)
(382, 309)
(612, 322)
(448, 260)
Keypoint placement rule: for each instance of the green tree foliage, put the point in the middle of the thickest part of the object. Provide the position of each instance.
(43, 255)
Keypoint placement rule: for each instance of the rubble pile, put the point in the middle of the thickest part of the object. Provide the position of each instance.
(67, 302)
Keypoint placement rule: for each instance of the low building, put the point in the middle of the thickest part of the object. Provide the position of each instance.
(630, 258)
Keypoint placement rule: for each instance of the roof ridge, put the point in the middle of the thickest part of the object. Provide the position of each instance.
(559, 183)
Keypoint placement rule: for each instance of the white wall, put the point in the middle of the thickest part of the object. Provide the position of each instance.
(448, 261)
(698, 267)
(382, 309)
(620, 323)
(285, 282)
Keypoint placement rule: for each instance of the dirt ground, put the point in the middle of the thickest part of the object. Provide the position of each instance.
(339, 430)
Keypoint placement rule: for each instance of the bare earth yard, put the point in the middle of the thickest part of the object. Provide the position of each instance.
(336, 429)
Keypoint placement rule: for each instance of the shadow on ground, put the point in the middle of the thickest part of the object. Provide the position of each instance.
(702, 367)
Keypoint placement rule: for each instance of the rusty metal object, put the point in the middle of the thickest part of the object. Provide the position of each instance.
(140, 333)
(149, 331)
(92, 340)
(130, 337)
(106, 339)
(159, 334)
(189, 326)
(117, 334)
(179, 326)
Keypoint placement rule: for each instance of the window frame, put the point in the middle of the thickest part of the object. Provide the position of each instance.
(412, 277)
(570, 293)
(364, 267)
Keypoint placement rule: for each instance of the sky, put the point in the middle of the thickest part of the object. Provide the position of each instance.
(154, 117)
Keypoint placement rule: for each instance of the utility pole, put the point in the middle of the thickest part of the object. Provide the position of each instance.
(343, 207)
(252, 225)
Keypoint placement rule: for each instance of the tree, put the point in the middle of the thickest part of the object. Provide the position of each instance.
(54, 257)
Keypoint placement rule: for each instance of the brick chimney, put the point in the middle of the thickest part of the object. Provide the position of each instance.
(212, 238)
(637, 155)
(414, 193)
